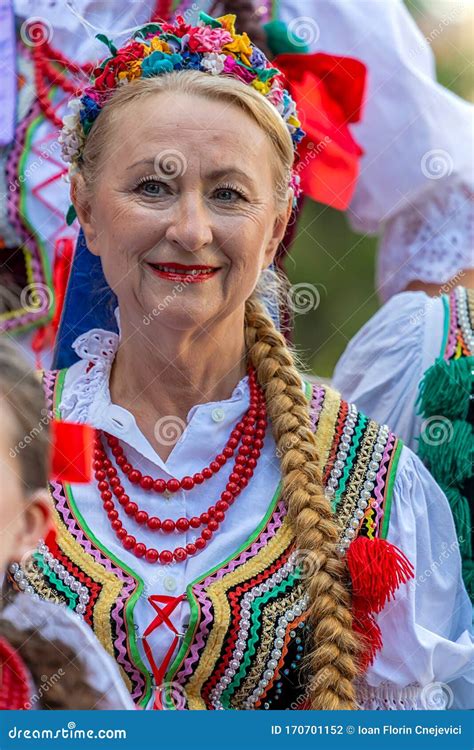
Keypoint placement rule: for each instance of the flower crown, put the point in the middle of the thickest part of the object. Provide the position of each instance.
(212, 46)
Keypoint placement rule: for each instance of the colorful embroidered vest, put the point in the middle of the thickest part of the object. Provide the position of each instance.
(248, 627)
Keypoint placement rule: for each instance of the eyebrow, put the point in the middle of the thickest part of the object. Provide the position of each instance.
(214, 175)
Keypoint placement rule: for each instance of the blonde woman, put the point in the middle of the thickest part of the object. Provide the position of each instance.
(248, 540)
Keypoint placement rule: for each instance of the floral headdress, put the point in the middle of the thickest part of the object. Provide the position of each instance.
(212, 46)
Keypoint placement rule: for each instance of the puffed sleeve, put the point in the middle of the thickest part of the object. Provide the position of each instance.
(427, 658)
(383, 364)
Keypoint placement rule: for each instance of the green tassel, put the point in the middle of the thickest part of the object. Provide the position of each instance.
(446, 388)
(71, 215)
(279, 41)
(462, 519)
(447, 448)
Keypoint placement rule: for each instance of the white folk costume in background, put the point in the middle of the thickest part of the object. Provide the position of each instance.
(416, 181)
(217, 617)
(421, 383)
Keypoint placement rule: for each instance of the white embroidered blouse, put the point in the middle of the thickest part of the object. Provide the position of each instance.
(425, 629)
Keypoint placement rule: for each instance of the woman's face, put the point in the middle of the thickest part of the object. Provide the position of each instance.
(183, 180)
(23, 521)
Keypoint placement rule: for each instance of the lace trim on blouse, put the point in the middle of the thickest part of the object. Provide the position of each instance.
(97, 349)
(387, 697)
(430, 241)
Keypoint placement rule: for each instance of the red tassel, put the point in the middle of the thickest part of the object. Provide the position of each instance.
(72, 452)
(367, 628)
(377, 568)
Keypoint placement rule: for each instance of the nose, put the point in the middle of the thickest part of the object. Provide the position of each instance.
(190, 225)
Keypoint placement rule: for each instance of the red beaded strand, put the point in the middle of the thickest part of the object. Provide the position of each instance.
(250, 431)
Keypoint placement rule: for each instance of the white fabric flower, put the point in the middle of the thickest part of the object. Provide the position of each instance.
(213, 62)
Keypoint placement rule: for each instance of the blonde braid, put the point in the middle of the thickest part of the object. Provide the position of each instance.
(333, 653)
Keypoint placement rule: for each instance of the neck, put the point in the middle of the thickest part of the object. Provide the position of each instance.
(161, 372)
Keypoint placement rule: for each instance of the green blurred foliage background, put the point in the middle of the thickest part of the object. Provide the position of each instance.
(340, 263)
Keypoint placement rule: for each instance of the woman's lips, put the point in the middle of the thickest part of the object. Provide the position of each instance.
(179, 272)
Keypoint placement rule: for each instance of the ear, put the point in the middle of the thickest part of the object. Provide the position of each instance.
(37, 522)
(278, 232)
(81, 202)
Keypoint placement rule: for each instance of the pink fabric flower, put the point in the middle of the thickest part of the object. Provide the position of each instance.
(232, 67)
(207, 39)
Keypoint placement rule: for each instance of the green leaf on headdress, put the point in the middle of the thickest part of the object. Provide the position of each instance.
(279, 39)
(209, 20)
(150, 28)
(86, 126)
(71, 215)
(265, 73)
(108, 42)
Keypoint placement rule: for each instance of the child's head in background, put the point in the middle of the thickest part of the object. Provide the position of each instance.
(25, 511)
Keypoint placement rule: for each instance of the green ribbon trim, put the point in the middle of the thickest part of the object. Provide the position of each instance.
(56, 582)
(349, 463)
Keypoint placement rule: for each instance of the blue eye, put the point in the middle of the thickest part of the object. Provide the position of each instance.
(230, 193)
(151, 188)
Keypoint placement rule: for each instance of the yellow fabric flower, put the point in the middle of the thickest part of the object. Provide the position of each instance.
(157, 45)
(228, 22)
(241, 46)
(262, 86)
(293, 121)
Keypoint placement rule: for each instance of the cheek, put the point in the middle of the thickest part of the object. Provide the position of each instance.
(11, 507)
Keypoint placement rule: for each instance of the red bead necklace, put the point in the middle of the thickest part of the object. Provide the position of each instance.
(247, 438)
(14, 691)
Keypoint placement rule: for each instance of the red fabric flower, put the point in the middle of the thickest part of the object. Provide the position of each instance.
(178, 29)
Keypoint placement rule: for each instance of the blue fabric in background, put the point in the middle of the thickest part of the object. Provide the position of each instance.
(90, 303)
